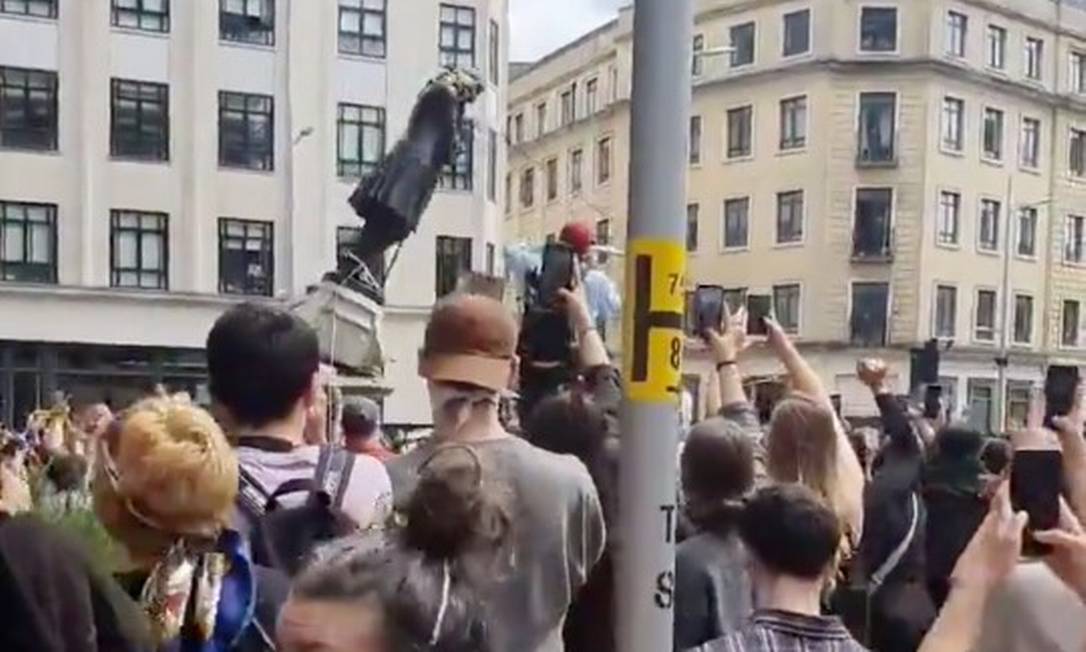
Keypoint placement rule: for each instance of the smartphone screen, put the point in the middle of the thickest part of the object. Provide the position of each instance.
(557, 272)
(1060, 385)
(708, 308)
(758, 308)
(1036, 479)
(933, 401)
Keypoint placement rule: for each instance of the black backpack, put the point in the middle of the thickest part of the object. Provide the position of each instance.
(284, 537)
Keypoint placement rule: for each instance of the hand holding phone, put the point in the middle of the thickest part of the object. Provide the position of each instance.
(1036, 481)
(1061, 384)
(759, 307)
(557, 273)
(709, 309)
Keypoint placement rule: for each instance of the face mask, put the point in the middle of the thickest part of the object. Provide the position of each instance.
(453, 405)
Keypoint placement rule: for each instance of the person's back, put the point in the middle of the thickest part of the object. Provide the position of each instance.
(558, 535)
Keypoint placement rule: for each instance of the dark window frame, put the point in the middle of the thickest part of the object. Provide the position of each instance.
(527, 187)
(873, 245)
(956, 38)
(874, 146)
(40, 134)
(550, 171)
(157, 22)
(697, 60)
(365, 119)
(992, 139)
(450, 54)
(694, 140)
(990, 243)
(117, 230)
(1077, 153)
(952, 130)
(24, 270)
(745, 52)
(793, 113)
(603, 238)
(144, 95)
(263, 154)
(456, 247)
(693, 216)
(262, 232)
(788, 292)
(1033, 57)
(743, 218)
(492, 165)
(995, 47)
(7, 7)
(988, 300)
(1070, 331)
(785, 200)
(1023, 324)
(459, 173)
(494, 52)
(248, 28)
(355, 42)
(576, 170)
(872, 42)
(789, 31)
(859, 321)
(942, 236)
(740, 144)
(604, 154)
(946, 323)
(1027, 246)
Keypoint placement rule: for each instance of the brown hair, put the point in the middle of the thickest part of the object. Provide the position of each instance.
(801, 445)
(717, 472)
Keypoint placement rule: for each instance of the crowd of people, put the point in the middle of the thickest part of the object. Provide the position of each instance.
(251, 526)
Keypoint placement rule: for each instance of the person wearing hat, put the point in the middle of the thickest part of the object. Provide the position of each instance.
(468, 361)
(361, 421)
(604, 302)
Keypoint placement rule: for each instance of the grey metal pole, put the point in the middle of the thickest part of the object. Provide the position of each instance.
(653, 334)
(1002, 360)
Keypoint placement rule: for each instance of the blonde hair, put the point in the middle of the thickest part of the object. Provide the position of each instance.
(801, 446)
(164, 471)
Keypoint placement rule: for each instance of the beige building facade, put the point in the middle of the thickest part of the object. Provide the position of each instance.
(888, 172)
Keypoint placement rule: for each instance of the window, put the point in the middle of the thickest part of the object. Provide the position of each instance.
(590, 93)
(363, 27)
(460, 173)
(870, 305)
(28, 242)
(1033, 57)
(146, 15)
(1078, 153)
(453, 259)
(980, 405)
(540, 119)
(491, 255)
(997, 47)
(360, 139)
(527, 187)
(552, 179)
(603, 238)
(993, 134)
(789, 217)
(878, 29)
(950, 210)
(1023, 319)
(736, 223)
(786, 307)
(794, 123)
(740, 131)
(28, 109)
(613, 73)
(1027, 232)
(877, 127)
(347, 240)
(692, 211)
(139, 243)
(872, 230)
(946, 311)
(988, 232)
(247, 21)
(695, 139)
(1078, 72)
(1074, 237)
(957, 26)
(492, 166)
(139, 120)
(696, 59)
(39, 8)
(1070, 323)
(742, 38)
(518, 128)
(495, 56)
(603, 161)
(1018, 401)
(246, 131)
(797, 33)
(953, 124)
(735, 299)
(567, 107)
(985, 318)
(508, 192)
(246, 258)
(456, 44)
(1031, 142)
(576, 164)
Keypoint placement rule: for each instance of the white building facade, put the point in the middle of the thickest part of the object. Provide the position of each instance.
(161, 160)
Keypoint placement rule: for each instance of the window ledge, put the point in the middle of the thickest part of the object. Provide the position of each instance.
(135, 159)
(949, 246)
(738, 159)
(956, 153)
(696, 166)
(29, 150)
(1077, 180)
(798, 56)
(993, 162)
(994, 253)
(1026, 259)
(1035, 171)
(135, 31)
(792, 151)
(244, 170)
(896, 52)
(367, 58)
(735, 250)
(985, 343)
(788, 245)
(872, 259)
(1022, 345)
(242, 45)
(29, 19)
(863, 163)
(1075, 264)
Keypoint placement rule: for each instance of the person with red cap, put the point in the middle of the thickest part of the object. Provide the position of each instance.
(604, 303)
(579, 237)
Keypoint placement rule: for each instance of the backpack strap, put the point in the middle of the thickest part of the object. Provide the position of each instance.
(297, 485)
(333, 474)
(252, 496)
(895, 557)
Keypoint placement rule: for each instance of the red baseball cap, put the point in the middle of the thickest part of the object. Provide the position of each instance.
(470, 339)
(579, 236)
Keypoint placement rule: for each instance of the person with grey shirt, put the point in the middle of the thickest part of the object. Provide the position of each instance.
(468, 359)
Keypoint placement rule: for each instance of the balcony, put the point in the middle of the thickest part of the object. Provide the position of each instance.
(876, 155)
(872, 248)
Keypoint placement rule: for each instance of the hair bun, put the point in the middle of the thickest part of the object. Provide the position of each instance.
(452, 508)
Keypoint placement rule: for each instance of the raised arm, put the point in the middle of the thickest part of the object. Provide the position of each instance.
(872, 373)
(726, 348)
(591, 352)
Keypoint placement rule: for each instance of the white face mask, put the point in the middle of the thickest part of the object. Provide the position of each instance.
(451, 406)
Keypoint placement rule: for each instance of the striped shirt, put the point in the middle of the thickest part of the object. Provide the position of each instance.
(781, 631)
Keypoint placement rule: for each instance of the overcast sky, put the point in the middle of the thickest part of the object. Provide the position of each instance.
(540, 26)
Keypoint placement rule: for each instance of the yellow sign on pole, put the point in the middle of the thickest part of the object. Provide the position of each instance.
(653, 337)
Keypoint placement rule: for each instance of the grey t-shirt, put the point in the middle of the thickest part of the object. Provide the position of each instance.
(712, 588)
(558, 536)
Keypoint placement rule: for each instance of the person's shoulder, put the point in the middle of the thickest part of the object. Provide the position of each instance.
(564, 469)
